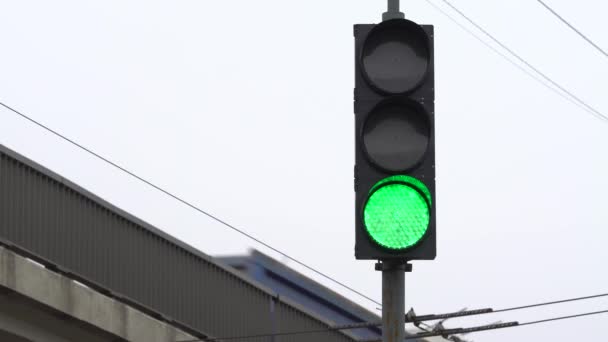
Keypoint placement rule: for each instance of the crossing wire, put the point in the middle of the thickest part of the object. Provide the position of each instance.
(422, 318)
(433, 333)
(188, 204)
(413, 318)
(505, 57)
(551, 303)
(456, 331)
(594, 111)
(572, 27)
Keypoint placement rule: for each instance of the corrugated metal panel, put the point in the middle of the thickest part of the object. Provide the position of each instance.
(64, 224)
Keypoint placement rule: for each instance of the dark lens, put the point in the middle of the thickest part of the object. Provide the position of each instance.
(395, 58)
(396, 137)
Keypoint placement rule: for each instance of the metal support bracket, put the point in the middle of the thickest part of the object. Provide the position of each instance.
(394, 265)
(393, 11)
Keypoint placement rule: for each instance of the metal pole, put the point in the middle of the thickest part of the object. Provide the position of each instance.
(393, 11)
(393, 301)
(393, 5)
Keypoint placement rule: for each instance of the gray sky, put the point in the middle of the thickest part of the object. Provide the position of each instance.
(245, 109)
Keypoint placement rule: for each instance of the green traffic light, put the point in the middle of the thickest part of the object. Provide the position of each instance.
(397, 212)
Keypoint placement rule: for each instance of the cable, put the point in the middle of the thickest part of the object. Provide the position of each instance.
(563, 317)
(420, 319)
(432, 333)
(573, 28)
(504, 56)
(411, 318)
(596, 113)
(551, 303)
(447, 332)
(166, 192)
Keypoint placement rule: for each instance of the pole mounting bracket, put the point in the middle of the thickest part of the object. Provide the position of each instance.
(388, 265)
(393, 11)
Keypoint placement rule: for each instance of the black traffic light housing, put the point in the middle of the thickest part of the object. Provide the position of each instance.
(394, 123)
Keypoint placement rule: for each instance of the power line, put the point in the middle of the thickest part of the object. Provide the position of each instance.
(596, 113)
(412, 318)
(419, 319)
(432, 333)
(456, 331)
(505, 57)
(177, 198)
(572, 27)
(563, 318)
(551, 303)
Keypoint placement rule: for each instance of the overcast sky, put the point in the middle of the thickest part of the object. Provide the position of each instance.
(245, 109)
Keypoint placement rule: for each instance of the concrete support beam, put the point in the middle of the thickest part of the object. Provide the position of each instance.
(74, 300)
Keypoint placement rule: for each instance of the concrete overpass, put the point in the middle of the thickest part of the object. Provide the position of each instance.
(97, 273)
(37, 304)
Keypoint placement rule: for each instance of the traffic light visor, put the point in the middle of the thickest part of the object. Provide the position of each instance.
(396, 56)
(397, 212)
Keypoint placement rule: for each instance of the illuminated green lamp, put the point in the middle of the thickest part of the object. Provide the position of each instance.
(397, 212)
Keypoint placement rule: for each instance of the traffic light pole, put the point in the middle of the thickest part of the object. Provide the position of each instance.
(393, 299)
(393, 271)
(395, 154)
(393, 11)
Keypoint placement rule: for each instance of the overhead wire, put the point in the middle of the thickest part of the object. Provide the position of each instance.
(591, 109)
(505, 57)
(563, 318)
(431, 333)
(582, 35)
(418, 320)
(411, 317)
(551, 303)
(457, 331)
(188, 204)
(433, 317)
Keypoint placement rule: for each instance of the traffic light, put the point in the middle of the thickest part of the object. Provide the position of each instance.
(395, 148)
